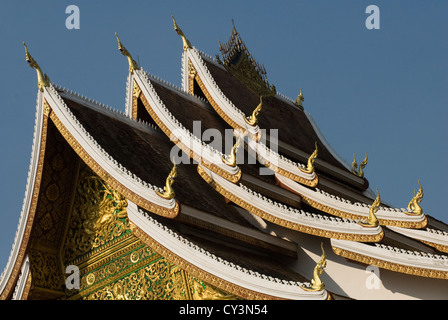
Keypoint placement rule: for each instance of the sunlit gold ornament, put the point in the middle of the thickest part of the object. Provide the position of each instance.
(311, 159)
(372, 221)
(186, 43)
(252, 119)
(231, 159)
(168, 189)
(414, 204)
(42, 79)
(316, 282)
(132, 64)
(299, 99)
(359, 172)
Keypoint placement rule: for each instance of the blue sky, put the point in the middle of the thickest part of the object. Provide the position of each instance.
(378, 91)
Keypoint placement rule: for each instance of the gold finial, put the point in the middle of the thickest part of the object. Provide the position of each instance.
(414, 204)
(132, 64)
(186, 43)
(168, 189)
(42, 79)
(231, 159)
(311, 159)
(316, 282)
(299, 99)
(252, 120)
(372, 221)
(359, 172)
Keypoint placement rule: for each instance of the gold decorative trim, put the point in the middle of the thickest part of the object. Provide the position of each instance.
(422, 272)
(285, 223)
(136, 92)
(104, 175)
(234, 178)
(195, 271)
(342, 214)
(10, 285)
(440, 247)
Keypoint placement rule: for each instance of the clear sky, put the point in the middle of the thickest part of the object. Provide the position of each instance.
(382, 91)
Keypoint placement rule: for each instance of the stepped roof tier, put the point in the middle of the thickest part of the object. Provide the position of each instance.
(188, 195)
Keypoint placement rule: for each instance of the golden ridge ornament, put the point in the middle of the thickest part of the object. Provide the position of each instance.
(372, 221)
(311, 159)
(414, 204)
(132, 64)
(359, 172)
(299, 99)
(231, 159)
(316, 282)
(169, 191)
(186, 43)
(42, 79)
(252, 119)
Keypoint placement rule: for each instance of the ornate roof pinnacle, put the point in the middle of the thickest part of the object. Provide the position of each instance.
(372, 221)
(414, 204)
(42, 79)
(132, 64)
(299, 99)
(359, 172)
(311, 159)
(317, 284)
(169, 191)
(231, 159)
(252, 119)
(186, 43)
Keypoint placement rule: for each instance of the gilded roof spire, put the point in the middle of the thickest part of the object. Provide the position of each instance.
(42, 79)
(414, 204)
(252, 119)
(316, 282)
(359, 172)
(132, 64)
(299, 99)
(186, 43)
(168, 189)
(372, 221)
(311, 159)
(231, 159)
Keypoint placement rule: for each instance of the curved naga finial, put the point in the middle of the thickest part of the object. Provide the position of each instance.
(359, 172)
(311, 159)
(168, 189)
(299, 99)
(414, 204)
(252, 120)
(186, 43)
(231, 159)
(316, 282)
(132, 64)
(42, 79)
(372, 221)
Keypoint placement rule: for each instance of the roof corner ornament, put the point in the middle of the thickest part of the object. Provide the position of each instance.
(311, 159)
(252, 119)
(186, 43)
(299, 99)
(316, 282)
(132, 64)
(414, 204)
(372, 221)
(359, 172)
(42, 79)
(231, 159)
(168, 189)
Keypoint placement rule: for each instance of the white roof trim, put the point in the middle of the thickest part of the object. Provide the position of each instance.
(300, 217)
(99, 155)
(357, 208)
(416, 259)
(217, 266)
(429, 235)
(21, 282)
(178, 131)
(32, 171)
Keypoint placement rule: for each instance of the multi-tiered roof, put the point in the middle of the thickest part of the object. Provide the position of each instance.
(254, 215)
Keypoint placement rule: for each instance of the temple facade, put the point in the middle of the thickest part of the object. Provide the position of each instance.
(220, 189)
